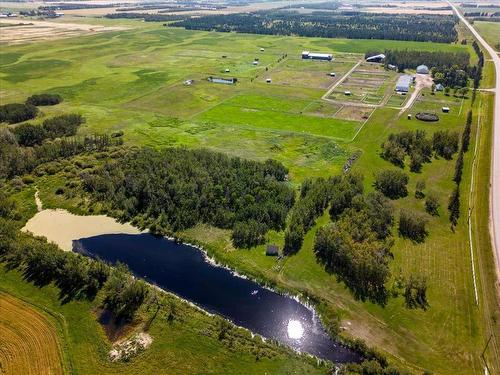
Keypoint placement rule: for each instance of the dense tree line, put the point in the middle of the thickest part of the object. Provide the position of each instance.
(60, 126)
(354, 25)
(415, 144)
(16, 160)
(315, 196)
(478, 73)
(410, 59)
(44, 99)
(452, 76)
(454, 202)
(176, 188)
(356, 246)
(76, 276)
(146, 17)
(17, 112)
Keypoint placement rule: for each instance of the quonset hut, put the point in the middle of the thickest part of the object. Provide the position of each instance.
(403, 84)
(422, 69)
(317, 56)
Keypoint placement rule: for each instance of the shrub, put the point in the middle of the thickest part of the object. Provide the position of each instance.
(428, 117)
(44, 99)
(412, 225)
(392, 183)
(29, 135)
(63, 125)
(16, 112)
(454, 206)
(432, 204)
(419, 189)
(415, 292)
(445, 143)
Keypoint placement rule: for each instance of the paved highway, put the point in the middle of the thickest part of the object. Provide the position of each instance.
(495, 170)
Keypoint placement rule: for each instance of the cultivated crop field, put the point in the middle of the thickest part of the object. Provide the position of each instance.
(29, 340)
(135, 81)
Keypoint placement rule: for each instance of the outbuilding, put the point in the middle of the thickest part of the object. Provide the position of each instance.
(403, 84)
(227, 81)
(439, 87)
(268, 80)
(347, 93)
(422, 69)
(272, 250)
(332, 74)
(446, 109)
(317, 56)
(376, 58)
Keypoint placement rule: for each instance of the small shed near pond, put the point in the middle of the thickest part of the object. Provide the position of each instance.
(272, 250)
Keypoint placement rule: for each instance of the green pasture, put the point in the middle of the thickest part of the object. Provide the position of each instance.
(490, 31)
(134, 81)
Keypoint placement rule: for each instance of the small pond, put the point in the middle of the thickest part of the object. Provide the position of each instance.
(185, 271)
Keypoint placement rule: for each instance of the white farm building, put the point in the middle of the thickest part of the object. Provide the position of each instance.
(317, 56)
(422, 69)
(404, 82)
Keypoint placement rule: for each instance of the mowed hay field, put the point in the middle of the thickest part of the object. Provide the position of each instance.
(29, 343)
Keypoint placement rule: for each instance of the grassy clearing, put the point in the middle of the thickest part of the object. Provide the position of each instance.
(490, 32)
(187, 345)
(133, 81)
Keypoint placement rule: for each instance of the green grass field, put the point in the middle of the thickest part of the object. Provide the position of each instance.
(490, 31)
(133, 81)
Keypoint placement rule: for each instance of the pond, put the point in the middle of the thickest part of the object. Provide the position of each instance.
(185, 271)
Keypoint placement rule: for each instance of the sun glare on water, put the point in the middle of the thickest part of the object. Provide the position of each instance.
(295, 329)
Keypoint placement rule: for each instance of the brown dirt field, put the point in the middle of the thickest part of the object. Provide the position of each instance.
(352, 112)
(44, 30)
(29, 344)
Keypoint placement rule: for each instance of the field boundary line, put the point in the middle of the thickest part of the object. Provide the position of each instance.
(471, 193)
(362, 126)
(334, 86)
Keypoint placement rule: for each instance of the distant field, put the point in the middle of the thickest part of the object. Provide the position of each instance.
(133, 80)
(29, 341)
(490, 31)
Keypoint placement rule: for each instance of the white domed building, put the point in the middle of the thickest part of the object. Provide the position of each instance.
(422, 69)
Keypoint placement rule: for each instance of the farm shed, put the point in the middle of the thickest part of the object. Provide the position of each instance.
(272, 250)
(446, 109)
(316, 56)
(422, 69)
(439, 87)
(227, 81)
(403, 84)
(376, 58)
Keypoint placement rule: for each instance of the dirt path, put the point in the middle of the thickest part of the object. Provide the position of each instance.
(334, 86)
(421, 81)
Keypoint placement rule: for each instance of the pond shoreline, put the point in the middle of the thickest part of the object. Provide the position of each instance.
(65, 229)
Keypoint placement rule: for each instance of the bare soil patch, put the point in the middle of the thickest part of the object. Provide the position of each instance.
(34, 31)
